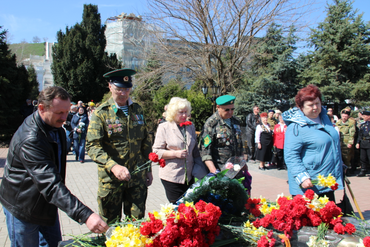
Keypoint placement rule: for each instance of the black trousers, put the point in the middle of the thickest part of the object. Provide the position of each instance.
(174, 191)
(280, 158)
(251, 145)
(364, 158)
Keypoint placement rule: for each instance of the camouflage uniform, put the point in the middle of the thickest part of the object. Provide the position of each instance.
(114, 138)
(219, 141)
(347, 136)
(272, 122)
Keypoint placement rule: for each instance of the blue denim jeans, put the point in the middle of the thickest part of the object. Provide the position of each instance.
(79, 148)
(22, 233)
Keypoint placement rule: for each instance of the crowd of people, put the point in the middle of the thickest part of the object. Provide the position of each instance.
(307, 140)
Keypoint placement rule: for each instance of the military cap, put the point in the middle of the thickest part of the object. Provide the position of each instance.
(225, 100)
(346, 110)
(367, 113)
(121, 77)
(272, 111)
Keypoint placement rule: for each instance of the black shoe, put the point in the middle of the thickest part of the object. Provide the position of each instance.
(280, 168)
(361, 174)
(262, 168)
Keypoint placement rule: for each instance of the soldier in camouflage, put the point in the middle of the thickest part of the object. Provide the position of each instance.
(221, 137)
(347, 129)
(117, 140)
(363, 143)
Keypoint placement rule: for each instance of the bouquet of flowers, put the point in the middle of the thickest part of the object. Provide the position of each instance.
(80, 126)
(226, 193)
(192, 225)
(303, 210)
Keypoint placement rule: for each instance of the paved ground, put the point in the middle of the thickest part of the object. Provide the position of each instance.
(82, 181)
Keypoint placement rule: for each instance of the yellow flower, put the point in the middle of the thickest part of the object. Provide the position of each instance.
(126, 236)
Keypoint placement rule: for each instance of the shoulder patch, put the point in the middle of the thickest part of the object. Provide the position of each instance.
(207, 140)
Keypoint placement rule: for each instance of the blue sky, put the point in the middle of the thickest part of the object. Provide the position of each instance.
(28, 18)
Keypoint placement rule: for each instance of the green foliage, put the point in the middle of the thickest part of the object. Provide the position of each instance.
(24, 50)
(34, 84)
(271, 82)
(339, 62)
(14, 88)
(79, 60)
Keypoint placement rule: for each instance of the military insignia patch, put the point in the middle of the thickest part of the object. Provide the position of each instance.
(125, 78)
(206, 141)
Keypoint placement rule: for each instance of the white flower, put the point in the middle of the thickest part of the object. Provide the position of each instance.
(236, 168)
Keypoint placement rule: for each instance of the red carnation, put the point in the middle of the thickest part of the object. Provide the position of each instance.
(185, 123)
(162, 163)
(153, 157)
(339, 228)
(350, 228)
(334, 187)
(309, 194)
(366, 241)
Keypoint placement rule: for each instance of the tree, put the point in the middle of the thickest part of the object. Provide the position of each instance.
(339, 64)
(36, 39)
(271, 81)
(79, 60)
(34, 84)
(14, 88)
(195, 36)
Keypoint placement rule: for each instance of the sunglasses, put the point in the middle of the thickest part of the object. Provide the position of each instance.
(228, 109)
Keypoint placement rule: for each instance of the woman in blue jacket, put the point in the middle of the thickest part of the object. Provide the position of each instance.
(312, 145)
(79, 124)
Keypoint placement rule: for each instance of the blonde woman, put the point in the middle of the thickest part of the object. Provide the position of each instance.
(176, 143)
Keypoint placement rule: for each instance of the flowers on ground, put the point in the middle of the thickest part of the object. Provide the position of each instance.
(127, 236)
(293, 214)
(226, 193)
(192, 225)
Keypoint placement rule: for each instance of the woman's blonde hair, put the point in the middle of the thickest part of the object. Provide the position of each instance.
(176, 104)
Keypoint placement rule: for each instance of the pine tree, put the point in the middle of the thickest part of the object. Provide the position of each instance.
(339, 62)
(34, 84)
(272, 78)
(14, 88)
(79, 60)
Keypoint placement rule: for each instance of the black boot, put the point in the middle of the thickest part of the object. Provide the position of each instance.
(362, 173)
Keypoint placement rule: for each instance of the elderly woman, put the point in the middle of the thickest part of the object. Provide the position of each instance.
(312, 145)
(176, 143)
(263, 139)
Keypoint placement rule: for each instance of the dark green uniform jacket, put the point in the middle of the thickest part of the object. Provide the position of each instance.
(114, 138)
(220, 141)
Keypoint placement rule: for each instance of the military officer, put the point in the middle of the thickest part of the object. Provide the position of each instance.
(221, 136)
(363, 143)
(117, 140)
(347, 129)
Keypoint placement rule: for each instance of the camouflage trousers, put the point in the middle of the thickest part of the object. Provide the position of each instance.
(347, 154)
(133, 199)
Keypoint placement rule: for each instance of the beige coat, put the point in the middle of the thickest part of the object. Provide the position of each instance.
(169, 138)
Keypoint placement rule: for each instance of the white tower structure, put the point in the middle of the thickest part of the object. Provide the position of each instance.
(128, 37)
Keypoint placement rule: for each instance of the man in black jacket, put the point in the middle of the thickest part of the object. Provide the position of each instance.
(252, 120)
(33, 186)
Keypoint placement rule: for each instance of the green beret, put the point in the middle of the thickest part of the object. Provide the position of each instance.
(121, 77)
(225, 100)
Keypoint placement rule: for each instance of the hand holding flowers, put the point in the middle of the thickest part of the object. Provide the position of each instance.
(153, 157)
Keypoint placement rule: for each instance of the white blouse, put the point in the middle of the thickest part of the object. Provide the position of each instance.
(259, 130)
